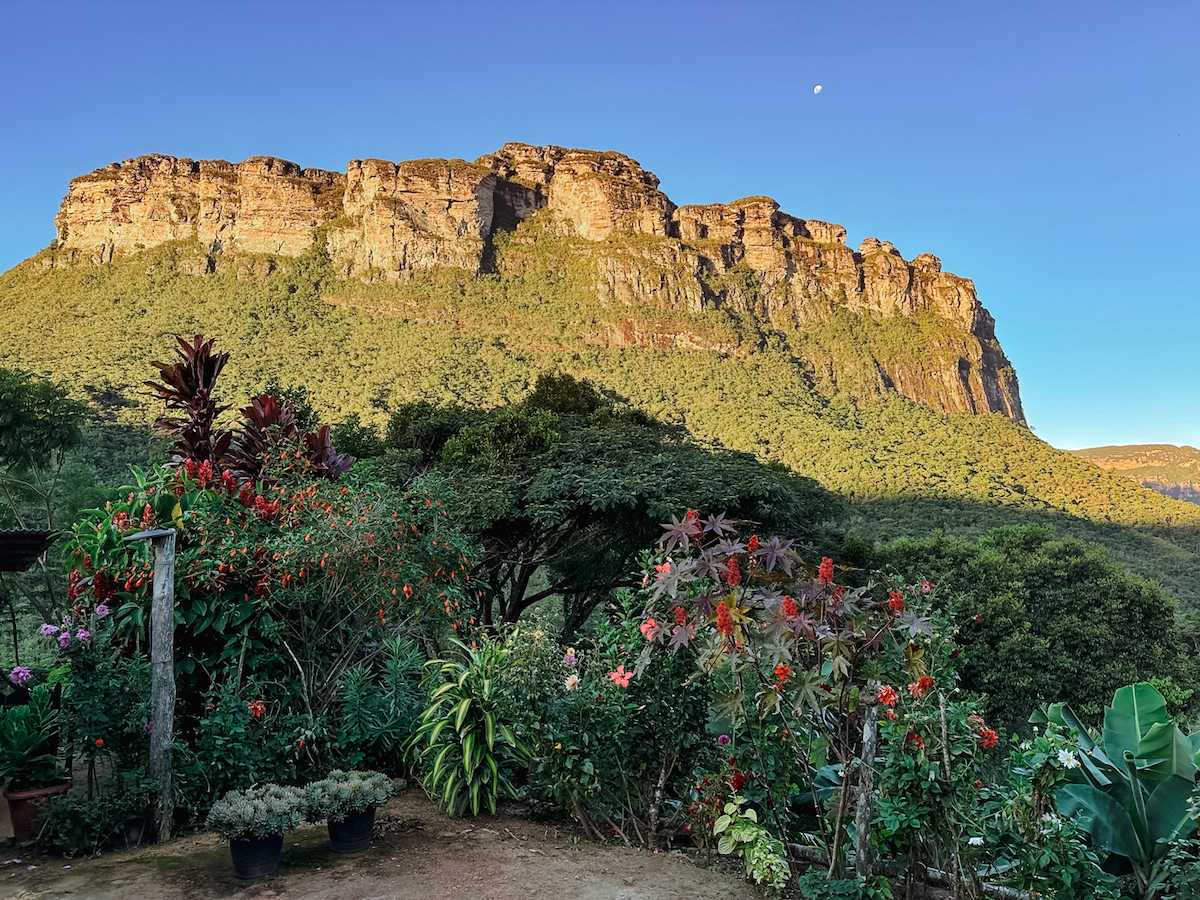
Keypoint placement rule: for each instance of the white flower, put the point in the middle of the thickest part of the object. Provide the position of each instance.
(572, 681)
(975, 842)
(1068, 760)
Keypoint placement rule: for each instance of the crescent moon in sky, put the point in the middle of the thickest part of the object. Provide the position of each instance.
(817, 89)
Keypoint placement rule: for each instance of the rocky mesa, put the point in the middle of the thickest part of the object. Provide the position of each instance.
(385, 221)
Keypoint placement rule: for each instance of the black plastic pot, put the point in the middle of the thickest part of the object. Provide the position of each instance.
(352, 834)
(256, 857)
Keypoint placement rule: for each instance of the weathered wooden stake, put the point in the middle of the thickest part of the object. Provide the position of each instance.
(162, 672)
(865, 809)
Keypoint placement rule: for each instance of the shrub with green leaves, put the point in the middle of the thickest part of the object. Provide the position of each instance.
(340, 795)
(468, 753)
(738, 832)
(258, 812)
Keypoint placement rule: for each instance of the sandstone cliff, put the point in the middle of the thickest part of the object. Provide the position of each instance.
(385, 221)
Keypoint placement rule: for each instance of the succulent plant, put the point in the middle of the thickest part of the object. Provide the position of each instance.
(343, 794)
(257, 812)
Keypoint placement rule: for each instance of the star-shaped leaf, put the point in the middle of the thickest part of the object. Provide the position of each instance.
(915, 624)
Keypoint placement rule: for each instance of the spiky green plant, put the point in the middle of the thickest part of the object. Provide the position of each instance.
(465, 749)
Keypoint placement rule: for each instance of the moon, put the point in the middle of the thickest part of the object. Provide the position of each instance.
(817, 89)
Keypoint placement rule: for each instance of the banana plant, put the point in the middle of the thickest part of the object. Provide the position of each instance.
(1132, 790)
(463, 745)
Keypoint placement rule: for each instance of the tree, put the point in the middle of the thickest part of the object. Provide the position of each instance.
(39, 427)
(1044, 619)
(563, 490)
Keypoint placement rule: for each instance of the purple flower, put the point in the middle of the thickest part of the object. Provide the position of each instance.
(64, 639)
(146, 728)
(20, 675)
(723, 740)
(101, 611)
(48, 629)
(83, 636)
(569, 658)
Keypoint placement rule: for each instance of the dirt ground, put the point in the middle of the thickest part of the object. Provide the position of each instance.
(418, 854)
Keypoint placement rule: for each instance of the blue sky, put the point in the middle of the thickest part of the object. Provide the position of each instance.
(1048, 150)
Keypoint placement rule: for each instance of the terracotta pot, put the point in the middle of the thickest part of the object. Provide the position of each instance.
(352, 834)
(24, 806)
(256, 857)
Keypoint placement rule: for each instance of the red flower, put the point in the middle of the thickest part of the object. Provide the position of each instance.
(620, 677)
(891, 715)
(916, 740)
(888, 695)
(256, 708)
(646, 627)
(99, 742)
(789, 607)
(782, 673)
(752, 544)
(825, 573)
(724, 619)
(300, 743)
(680, 615)
(988, 738)
(921, 686)
(732, 575)
(737, 780)
(895, 601)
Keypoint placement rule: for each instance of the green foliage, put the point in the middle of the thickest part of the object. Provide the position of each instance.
(810, 399)
(381, 702)
(340, 795)
(257, 812)
(1132, 792)
(607, 750)
(816, 885)
(466, 749)
(1027, 844)
(28, 738)
(76, 823)
(738, 832)
(1044, 619)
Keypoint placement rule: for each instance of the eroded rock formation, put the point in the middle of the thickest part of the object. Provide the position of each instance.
(385, 221)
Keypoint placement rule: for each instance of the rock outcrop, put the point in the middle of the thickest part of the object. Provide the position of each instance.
(261, 205)
(385, 221)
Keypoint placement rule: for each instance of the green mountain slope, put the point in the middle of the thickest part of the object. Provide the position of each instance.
(803, 397)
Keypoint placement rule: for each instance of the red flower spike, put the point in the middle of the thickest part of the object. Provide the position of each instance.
(825, 573)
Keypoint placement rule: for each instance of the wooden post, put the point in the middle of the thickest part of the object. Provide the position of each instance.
(162, 672)
(865, 807)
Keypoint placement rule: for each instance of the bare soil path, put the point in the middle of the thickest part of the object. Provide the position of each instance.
(422, 855)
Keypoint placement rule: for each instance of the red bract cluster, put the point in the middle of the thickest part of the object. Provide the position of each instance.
(825, 572)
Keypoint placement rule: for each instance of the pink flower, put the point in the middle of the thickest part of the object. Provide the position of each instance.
(64, 639)
(83, 636)
(620, 677)
(20, 675)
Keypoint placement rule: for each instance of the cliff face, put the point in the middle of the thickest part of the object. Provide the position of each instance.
(385, 221)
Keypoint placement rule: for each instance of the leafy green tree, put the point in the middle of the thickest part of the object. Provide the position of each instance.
(563, 490)
(39, 429)
(1044, 619)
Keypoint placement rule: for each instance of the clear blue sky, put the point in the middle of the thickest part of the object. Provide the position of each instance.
(1048, 150)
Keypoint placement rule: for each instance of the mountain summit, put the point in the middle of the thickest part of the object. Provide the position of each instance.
(385, 222)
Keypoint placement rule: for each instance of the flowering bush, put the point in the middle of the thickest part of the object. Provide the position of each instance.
(608, 748)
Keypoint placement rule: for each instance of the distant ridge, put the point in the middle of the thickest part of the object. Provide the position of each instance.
(1166, 468)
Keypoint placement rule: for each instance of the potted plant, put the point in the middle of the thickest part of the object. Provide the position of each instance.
(347, 801)
(254, 822)
(28, 759)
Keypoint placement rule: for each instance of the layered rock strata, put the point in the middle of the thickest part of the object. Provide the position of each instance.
(385, 221)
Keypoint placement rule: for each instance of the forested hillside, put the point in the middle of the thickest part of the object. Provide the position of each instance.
(450, 335)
